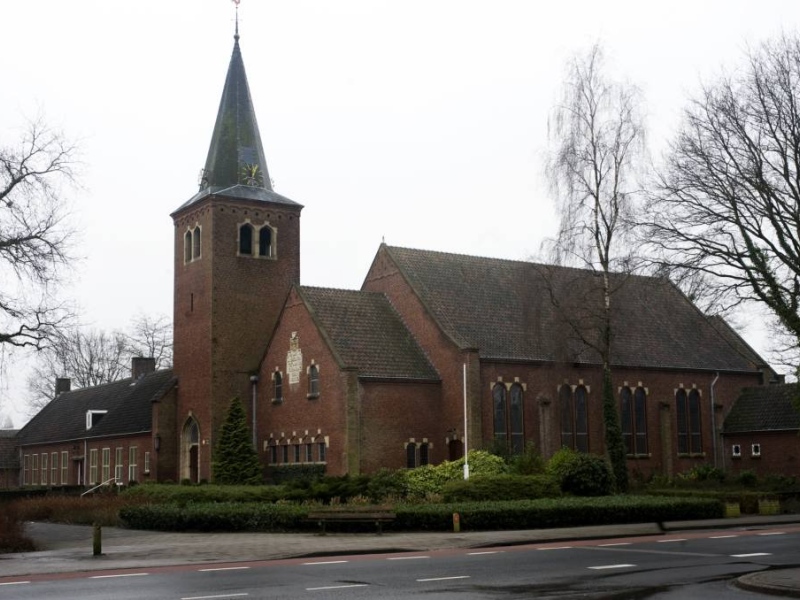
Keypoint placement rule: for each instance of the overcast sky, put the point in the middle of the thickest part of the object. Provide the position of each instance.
(421, 122)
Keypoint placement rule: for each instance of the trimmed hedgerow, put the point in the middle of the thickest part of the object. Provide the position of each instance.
(474, 516)
(501, 487)
(183, 494)
(219, 516)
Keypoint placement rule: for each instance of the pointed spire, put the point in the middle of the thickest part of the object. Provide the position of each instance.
(235, 156)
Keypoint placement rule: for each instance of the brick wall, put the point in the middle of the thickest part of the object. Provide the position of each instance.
(779, 452)
(226, 307)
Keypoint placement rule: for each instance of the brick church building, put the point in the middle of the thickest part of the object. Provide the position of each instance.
(435, 352)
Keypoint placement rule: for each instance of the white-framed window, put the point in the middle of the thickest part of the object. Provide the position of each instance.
(44, 468)
(755, 450)
(146, 463)
(119, 465)
(26, 469)
(93, 417)
(92, 466)
(106, 464)
(64, 467)
(736, 451)
(313, 380)
(35, 469)
(133, 464)
(54, 468)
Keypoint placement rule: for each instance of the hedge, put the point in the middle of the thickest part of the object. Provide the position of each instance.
(475, 516)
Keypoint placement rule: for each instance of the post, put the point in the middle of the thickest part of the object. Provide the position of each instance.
(97, 540)
(456, 522)
(466, 447)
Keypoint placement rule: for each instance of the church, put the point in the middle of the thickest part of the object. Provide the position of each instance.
(436, 354)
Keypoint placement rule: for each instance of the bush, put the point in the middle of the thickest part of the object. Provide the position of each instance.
(581, 474)
(387, 485)
(430, 480)
(501, 487)
(219, 516)
(12, 532)
(530, 462)
(747, 478)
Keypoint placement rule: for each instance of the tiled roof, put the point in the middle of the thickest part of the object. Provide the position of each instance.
(9, 457)
(128, 403)
(764, 408)
(366, 333)
(525, 311)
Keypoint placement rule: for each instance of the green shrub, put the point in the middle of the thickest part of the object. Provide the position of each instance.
(182, 495)
(219, 516)
(387, 484)
(530, 462)
(294, 473)
(703, 473)
(747, 478)
(501, 487)
(429, 480)
(581, 474)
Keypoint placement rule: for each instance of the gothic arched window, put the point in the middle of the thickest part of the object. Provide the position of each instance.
(265, 241)
(196, 243)
(246, 239)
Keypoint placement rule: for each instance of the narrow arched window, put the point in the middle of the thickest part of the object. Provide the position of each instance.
(640, 419)
(581, 419)
(682, 416)
(246, 239)
(567, 416)
(516, 421)
(265, 241)
(277, 387)
(313, 381)
(187, 247)
(411, 455)
(626, 419)
(424, 454)
(500, 414)
(196, 243)
(695, 439)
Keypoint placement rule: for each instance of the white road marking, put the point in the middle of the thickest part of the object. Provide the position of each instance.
(722, 537)
(487, 552)
(556, 548)
(615, 544)
(209, 597)
(336, 587)
(750, 555)
(773, 533)
(671, 540)
(222, 569)
(443, 578)
(326, 562)
(120, 575)
(621, 566)
(15, 583)
(406, 557)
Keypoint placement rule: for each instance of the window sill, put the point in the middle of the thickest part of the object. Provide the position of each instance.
(638, 456)
(736, 457)
(277, 400)
(755, 456)
(691, 455)
(312, 396)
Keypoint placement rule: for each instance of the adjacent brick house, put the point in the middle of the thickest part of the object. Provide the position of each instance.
(436, 352)
(115, 433)
(761, 431)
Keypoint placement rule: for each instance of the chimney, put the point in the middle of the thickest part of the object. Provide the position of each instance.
(141, 366)
(63, 384)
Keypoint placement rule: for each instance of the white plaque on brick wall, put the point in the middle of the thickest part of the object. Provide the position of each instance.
(294, 359)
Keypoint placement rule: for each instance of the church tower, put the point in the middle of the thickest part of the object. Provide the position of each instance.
(237, 255)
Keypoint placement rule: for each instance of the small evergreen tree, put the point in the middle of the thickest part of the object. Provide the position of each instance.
(236, 461)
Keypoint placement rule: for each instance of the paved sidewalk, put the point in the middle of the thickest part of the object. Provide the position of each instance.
(68, 548)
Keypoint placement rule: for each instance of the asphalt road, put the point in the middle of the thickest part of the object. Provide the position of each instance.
(685, 565)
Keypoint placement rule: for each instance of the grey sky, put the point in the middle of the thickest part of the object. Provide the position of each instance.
(421, 122)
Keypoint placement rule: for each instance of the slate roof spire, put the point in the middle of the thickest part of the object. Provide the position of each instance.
(236, 155)
(236, 166)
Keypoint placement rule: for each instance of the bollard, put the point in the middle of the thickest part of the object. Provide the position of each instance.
(456, 522)
(97, 540)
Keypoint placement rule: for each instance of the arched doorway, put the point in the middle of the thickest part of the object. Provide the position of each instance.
(190, 451)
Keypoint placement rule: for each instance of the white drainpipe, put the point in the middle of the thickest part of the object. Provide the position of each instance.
(714, 421)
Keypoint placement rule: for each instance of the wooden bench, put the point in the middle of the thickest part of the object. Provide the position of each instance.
(324, 517)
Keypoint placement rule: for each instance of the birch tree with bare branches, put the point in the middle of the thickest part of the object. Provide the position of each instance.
(597, 142)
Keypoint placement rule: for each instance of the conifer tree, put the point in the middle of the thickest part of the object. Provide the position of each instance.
(236, 461)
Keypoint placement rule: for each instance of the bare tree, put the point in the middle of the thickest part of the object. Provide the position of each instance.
(91, 357)
(87, 357)
(34, 235)
(151, 336)
(597, 138)
(727, 209)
